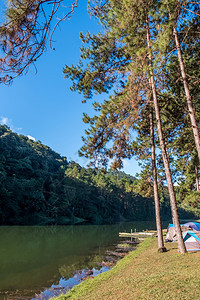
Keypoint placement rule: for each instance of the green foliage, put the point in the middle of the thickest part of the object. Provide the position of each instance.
(31, 175)
(122, 58)
(193, 199)
(38, 186)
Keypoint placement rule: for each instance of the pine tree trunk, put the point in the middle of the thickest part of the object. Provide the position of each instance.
(161, 247)
(172, 196)
(197, 178)
(188, 96)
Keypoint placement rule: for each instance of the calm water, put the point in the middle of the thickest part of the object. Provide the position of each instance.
(33, 258)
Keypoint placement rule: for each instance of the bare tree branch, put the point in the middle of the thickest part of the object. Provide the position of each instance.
(24, 35)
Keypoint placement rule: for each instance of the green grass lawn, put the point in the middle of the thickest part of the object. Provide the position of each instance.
(145, 274)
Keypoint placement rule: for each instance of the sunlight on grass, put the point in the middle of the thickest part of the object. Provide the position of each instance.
(145, 274)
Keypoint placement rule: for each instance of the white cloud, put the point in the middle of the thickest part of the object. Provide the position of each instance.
(130, 166)
(8, 122)
(126, 163)
(4, 121)
(31, 138)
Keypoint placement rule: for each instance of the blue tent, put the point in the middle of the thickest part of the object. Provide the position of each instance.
(191, 240)
(171, 233)
(193, 225)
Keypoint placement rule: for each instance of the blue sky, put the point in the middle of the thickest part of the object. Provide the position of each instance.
(41, 104)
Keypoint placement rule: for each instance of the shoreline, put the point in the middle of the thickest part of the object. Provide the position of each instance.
(65, 285)
(111, 258)
(145, 274)
(105, 275)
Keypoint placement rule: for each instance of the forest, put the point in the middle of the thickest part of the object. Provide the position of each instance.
(145, 61)
(38, 186)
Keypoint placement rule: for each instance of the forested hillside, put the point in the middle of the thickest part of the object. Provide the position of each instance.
(38, 186)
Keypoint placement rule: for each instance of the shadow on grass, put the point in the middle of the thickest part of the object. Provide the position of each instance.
(170, 247)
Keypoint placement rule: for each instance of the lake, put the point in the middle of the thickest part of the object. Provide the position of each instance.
(32, 258)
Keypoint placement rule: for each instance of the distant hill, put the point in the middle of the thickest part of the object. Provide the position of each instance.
(30, 175)
(38, 186)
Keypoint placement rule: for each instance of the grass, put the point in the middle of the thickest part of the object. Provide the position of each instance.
(145, 274)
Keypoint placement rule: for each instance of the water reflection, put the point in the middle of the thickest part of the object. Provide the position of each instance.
(65, 285)
(33, 258)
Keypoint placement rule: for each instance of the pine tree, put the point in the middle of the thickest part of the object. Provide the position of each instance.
(172, 195)
(161, 247)
(138, 55)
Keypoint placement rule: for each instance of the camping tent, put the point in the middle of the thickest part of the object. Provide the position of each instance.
(193, 225)
(192, 240)
(171, 233)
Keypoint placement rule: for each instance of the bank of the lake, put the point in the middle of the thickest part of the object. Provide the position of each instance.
(35, 258)
(145, 274)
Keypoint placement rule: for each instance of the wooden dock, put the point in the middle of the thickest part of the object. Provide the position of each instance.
(139, 235)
